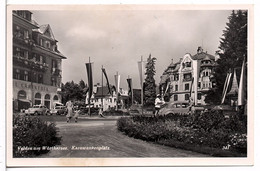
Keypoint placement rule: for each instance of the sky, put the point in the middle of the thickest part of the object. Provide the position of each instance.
(117, 39)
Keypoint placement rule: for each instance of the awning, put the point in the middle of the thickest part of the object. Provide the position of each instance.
(58, 104)
(24, 100)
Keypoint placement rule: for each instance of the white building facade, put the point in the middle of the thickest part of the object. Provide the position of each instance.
(189, 79)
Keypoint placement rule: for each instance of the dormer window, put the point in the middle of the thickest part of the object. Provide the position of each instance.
(188, 64)
(47, 44)
(41, 42)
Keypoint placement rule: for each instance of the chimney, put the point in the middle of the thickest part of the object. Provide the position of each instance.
(199, 50)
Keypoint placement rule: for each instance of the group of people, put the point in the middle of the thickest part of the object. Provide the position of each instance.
(73, 111)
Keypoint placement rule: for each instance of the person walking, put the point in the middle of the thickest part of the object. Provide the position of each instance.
(100, 112)
(157, 104)
(76, 115)
(69, 106)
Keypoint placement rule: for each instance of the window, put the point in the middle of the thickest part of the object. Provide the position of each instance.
(175, 97)
(47, 100)
(54, 65)
(199, 84)
(53, 81)
(187, 86)
(21, 94)
(187, 96)
(47, 44)
(47, 97)
(41, 42)
(37, 99)
(176, 87)
(40, 78)
(188, 64)
(55, 98)
(26, 54)
(199, 96)
(26, 34)
(187, 77)
(176, 77)
(26, 75)
(16, 51)
(38, 96)
(41, 59)
(16, 74)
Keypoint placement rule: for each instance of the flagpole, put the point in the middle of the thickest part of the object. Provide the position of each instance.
(102, 88)
(89, 88)
(117, 91)
(142, 91)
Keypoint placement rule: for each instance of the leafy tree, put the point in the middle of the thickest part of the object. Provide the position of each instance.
(232, 51)
(73, 91)
(149, 84)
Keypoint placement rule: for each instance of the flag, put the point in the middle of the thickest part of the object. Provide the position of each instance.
(167, 87)
(141, 72)
(90, 80)
(191, 85)
(195, 80)
(117, 82)
(104, 72)
(130, 91)
(241, 89)
(226, 87)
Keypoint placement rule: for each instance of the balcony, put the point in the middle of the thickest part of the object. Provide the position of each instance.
(30, 63)
(20, 39)
(56, 72)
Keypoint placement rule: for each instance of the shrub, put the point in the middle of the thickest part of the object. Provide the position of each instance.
(32, 132)
(206, 129)
(113, 112)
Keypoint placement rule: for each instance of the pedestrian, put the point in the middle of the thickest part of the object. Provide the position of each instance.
(100, 112)
(69, 106)
(157, 104)
(76, 115)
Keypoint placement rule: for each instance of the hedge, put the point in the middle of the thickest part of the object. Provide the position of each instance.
(208, 129)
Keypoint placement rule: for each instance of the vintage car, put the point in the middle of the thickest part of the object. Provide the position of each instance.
(58, 110)
(37, 110)
(179, 107)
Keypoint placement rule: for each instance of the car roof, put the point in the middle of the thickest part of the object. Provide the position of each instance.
(175, 102)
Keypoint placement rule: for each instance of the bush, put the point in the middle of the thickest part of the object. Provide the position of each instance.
(206, 129)
(32, 132)
(113, 112)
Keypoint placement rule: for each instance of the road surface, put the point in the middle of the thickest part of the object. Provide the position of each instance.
(100, 138)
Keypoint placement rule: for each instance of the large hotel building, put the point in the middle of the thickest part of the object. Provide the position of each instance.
(36, 63)
(177, 79)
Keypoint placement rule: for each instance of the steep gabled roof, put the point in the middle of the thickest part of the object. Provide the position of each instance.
(45, 30)
(203, 55)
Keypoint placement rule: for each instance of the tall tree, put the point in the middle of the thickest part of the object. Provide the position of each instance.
(232, 51)
(149, 84)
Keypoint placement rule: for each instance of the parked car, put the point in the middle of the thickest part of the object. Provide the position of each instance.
(180, 107)
(37, 110)
(58, 110)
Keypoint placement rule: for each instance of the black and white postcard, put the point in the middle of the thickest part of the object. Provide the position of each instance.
(130, 85)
